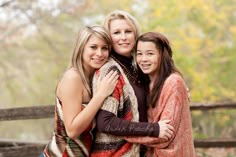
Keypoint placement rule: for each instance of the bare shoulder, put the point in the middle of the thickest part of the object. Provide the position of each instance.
(71, 75)
(71, 79)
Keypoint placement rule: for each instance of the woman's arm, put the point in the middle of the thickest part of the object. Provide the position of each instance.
(166, 131)
(173, 98)
(109, 123)
(70, 92)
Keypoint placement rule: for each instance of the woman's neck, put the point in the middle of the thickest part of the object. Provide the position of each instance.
(119, 56)
(126, 64)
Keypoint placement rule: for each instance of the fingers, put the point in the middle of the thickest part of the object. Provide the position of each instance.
(108, 75)
(113, 79)
(107, 84)
(166, 130)
(167, 124)
(171, 128)
(164, 137)
(169, 134)
(166, 121)
(112, 76)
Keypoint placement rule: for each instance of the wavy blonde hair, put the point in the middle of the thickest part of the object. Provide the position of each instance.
(82, 38)
(123, 15)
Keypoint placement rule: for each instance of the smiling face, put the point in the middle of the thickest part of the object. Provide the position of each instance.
(95, 54)
(147, 57)
(123, 37)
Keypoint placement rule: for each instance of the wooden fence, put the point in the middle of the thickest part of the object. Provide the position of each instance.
(16, 148)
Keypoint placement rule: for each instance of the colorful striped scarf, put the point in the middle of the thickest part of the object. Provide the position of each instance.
(61, 145)
(123, 103)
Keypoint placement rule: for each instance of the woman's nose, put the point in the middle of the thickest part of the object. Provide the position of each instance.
(99, 52)
(123, 36)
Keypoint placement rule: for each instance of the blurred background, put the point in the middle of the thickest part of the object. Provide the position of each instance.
(37, 38)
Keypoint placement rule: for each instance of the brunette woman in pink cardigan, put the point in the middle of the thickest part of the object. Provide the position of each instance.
(168, 97)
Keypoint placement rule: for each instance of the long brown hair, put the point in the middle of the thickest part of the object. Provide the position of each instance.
(166, 63)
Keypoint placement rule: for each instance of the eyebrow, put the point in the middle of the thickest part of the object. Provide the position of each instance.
(145, 50)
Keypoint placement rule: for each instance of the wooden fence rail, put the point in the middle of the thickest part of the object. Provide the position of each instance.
(13, 148)
(29, 149)
(47, 111)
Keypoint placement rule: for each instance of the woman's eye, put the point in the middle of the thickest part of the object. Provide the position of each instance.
(105, 48)
(93, 47)
(128, 31)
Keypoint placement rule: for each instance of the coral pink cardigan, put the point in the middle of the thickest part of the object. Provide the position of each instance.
(173, 104)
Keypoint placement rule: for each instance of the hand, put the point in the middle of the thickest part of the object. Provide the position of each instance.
(166, 130)
(106, 85)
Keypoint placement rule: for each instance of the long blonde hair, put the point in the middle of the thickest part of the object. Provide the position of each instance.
(82, 38)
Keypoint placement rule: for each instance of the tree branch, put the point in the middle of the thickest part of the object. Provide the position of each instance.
(4, 4)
